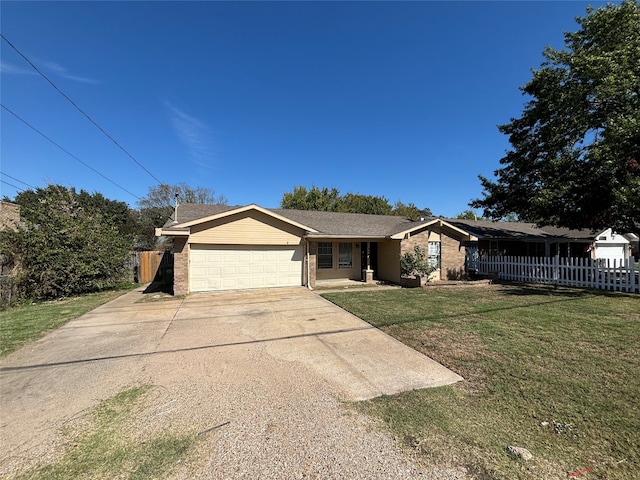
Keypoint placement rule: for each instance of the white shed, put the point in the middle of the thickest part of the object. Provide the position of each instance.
(612, 246)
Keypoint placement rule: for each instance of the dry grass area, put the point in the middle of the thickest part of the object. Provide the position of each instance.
(553, 370)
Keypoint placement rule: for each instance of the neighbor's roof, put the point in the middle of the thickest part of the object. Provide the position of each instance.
(519, 231)
(333, 224)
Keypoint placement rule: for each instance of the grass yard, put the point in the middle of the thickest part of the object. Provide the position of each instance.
(110, 450)
(556, 371)
(25, 323)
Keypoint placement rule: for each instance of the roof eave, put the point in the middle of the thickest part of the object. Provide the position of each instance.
(436, 221)
(319, 235)
(172, 232)
(235, 211)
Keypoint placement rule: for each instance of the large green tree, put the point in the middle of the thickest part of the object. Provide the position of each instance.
(64, 247)
(410, 211)
(359, 203)
(315, 198)
(330, 200)
(157, 206)
(575, 151)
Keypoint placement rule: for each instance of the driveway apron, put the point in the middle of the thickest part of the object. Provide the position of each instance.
(272, 363)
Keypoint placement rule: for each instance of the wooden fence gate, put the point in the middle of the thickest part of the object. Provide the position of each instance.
(149, 264)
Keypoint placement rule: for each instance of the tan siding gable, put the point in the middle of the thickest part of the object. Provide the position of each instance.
(246, 228)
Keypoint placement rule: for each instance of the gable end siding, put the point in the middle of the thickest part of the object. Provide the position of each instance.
(246, 228)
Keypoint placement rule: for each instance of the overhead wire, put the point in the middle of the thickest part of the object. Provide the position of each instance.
(11, 185)
(17, 180)
(79, 109)
(67, 151)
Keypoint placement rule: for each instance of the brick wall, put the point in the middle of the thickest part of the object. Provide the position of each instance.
(9, 215)
(421, 239)
(452, 258)
(452, 253)
(180, 266)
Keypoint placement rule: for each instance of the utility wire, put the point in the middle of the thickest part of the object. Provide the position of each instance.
(17, 180)
(79, 109)
(11, 185)
(67, 151)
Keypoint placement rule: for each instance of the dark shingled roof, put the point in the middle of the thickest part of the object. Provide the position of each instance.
(518, 230)
(351, 224)
(326, 223)
(363, 225)
(188, 212)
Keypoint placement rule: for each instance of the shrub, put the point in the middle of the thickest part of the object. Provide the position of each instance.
(416, 263)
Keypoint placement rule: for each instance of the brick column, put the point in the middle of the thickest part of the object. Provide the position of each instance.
(313, 263)
(180, 266)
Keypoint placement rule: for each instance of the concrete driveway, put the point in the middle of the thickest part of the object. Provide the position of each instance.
(213, 357)
(297, 325)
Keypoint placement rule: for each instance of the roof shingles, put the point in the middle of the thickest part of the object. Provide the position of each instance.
(326, 223)
(368, 226)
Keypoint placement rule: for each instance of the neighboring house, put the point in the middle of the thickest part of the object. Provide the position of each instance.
(611, 245)
(529, 240)
(221, 247)
(9, 215)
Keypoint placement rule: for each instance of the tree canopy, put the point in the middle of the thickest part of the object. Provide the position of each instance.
(467, 215)
(70, 243)
(330, 200)
(575, 151)
(157, 206)
(163, 196)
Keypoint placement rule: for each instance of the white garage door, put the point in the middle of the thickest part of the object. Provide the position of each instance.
(217, 267)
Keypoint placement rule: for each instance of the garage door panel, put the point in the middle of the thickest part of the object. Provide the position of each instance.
(216, 267)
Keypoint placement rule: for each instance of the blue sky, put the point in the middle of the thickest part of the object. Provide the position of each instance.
(398, 99)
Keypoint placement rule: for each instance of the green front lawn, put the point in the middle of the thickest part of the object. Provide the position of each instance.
(556, 371)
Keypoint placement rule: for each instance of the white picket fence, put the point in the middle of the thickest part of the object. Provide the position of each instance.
(602, 274)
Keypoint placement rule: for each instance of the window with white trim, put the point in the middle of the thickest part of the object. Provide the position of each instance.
(434, 254)
(325, 255)
(345, 255)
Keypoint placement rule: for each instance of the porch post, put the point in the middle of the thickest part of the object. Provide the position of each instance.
(367, 273)
(368, 255)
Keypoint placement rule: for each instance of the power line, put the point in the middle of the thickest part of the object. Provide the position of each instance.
(17, 180)
(67, 151)
(79, 109)
(11, 185)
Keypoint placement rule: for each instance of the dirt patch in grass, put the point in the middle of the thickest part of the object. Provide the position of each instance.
(104, 445)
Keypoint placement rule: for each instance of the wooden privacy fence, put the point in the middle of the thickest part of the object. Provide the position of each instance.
(150, 264)
(603, 274)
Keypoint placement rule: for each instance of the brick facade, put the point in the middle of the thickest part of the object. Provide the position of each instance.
(9, 215)
(452, 258)
(180, 266)
(420, 239)
(452, 252)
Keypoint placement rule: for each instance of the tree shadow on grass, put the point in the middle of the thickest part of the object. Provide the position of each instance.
(527, 289)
